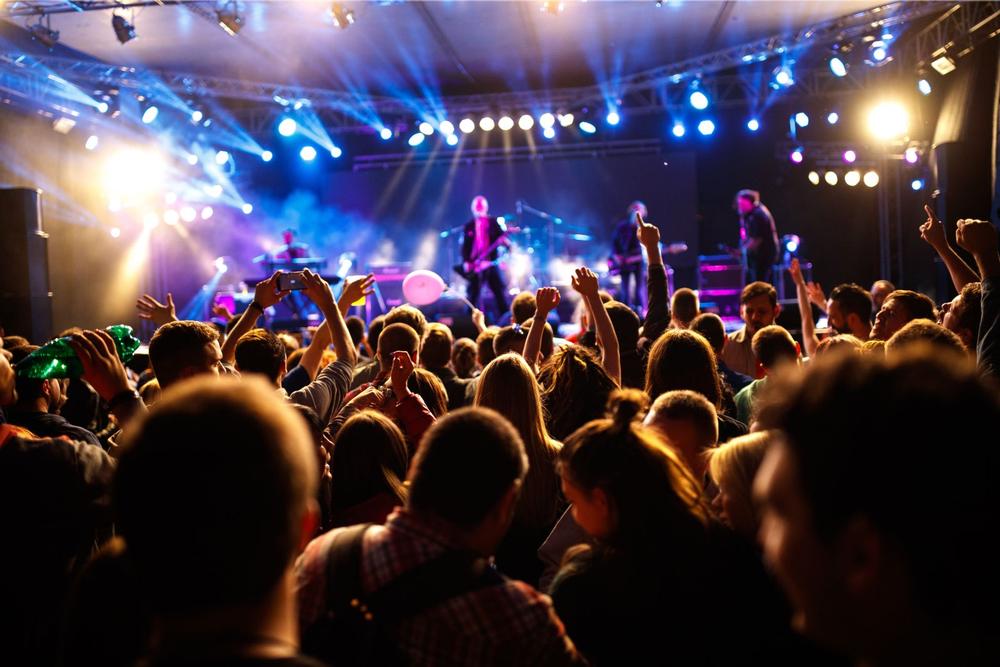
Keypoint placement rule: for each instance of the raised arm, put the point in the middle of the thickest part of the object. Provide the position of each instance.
(352, 291)
(546, 300)
(658, 307)
(584, 281)
(265, 295)
(805, 309)
(933, 232)
(318, 291)
(980, 238)
(156, 312)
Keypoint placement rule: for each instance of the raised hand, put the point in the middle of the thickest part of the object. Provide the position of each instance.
(649, 235)
(399, 374)
(932, 231)
(101, 366)
(479, 319)
(158, 313)
(796, 272)
(221, 311)
(978, 237)
(546, 299)
(355, 289)
(584, 281)
(318, 290)
(816, 295)
(266, 293)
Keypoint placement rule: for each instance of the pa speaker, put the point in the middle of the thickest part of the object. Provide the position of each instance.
(25, 299)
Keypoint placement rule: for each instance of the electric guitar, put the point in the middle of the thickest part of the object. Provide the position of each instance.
(478, 264)
(619, 263)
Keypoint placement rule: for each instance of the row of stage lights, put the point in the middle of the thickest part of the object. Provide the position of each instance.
(853, 177)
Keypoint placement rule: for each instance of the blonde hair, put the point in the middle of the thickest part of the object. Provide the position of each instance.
(734, 465)
(508, 386)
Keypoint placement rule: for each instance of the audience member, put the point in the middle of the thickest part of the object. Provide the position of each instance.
(626, 325)
(732, 467)
(429, 387)
(522, 308)
(463, 358)
(183, 349)
(900, 307)
(711, 327)
(963, 313)
(575, 389)
(879, 291)
(684, 307)
(435, 356)
(688, 424)
(758, 308)
(979, 238)
(777, 351)
(924, 332)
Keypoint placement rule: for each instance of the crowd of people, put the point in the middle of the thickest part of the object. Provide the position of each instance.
(650, 491)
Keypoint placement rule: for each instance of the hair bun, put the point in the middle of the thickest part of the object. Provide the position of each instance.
(625, 405)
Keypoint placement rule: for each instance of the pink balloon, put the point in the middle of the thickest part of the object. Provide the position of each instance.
(423, 287)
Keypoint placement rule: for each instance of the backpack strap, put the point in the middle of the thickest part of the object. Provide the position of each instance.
(343, 567)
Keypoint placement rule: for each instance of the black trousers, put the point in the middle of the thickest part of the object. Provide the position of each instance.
(491, 276)
(631, 295)
(761, 268)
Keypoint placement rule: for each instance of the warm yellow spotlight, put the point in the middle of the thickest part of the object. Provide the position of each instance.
(133, 175)
(888, 120)
(852, 178)
(871, 179)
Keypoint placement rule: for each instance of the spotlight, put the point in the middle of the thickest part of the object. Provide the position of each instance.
(192, 159)
(247, 209)
(917, 184)
(549, 133)
(506, 123)
(526, 122)
(446, 127)
(838, 67)
(151, 220)
(92, 142)
(287, 127)
(566, 119)
(924, 86)
(587, 127)
(170, 217)
(706, 127)
(814, 177)
(452, 139)
(546, 120)
(426, 128)
(802, 119)
(911, 155)
(229, 18)
(552, 7)
(206, 213)
(220, 265)
(196, 116)
(385, 134)
(486, 124)
(943, 65)
(782, 77)
(416, 139)
(698, 100)
(832, 117)
(44, 34)
(792, 242)
(871, 178)
(267, 156)
(753, 124)
(888, 120)
(124, 31)
(467, 125)
(150, 114)
(797, 156)
(115, 232)
(613, 118)
(102, 107)
(342, 18)
(852, 178)
(336, 152)
(308, 153)
(221, 157)
(830, 177)
(878, 53)
(678, 130)
(188, 214)
(850, 156)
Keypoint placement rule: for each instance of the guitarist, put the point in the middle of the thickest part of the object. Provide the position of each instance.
(758, 237)
(626, 255)
(482, 237)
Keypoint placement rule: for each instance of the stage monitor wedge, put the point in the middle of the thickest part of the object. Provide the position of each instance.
(25, 299)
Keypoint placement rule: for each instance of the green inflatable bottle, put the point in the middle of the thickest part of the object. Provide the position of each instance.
(56, 359)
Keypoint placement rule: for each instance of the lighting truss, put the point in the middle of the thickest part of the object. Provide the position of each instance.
(955, 33)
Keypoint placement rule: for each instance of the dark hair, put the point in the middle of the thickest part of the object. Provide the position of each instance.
(971, 312)
(853, 299)
(294, 359)
(756, 289)
(211, 489)
(751, 196)
(10, 342)
(839, 344)
(397, 337)
(374, 331)
(510, 339)
(28, 389)
(682, 359)
(924, 332)
(684, 304)
(435, 347)
(773, 344)
(712, 328)
(547, 344)
(431, 389)
(690, 406)
(177, 346)
(260, 351)
(939, 508)
(918, 306)
(522, 307)
(370, 457)
(625, 323)
(463, 357)
(467, 461)
(575, 389)
(356, 327)
(407, 314)
(484, 346)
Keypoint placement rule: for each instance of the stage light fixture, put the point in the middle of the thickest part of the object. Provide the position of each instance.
(832, 117)
(416, 139)
(486, 124)
(124, 31)
(287, 127)
(452, 139)
(220, 265)
(924, 86)
(221, 157)
(196, 116)
(266, 156)
(207, 212)
(871, 178)
(802, 119)
(506, 123)
(526, 122)
(170, 217)
(549, 133)
(852, 178)
(911, 155)
(830, 177)
(336, 152)
(814, 177)
(782, 77)
(613, 118)
(546, 120)
(229, 18)
(850, 156)
(878, 53)
(792, 242)
(92, 142)
(552, 7)
(587, 127)
(192, 159)
(698, 100)
(102, 107)
(566, 119)
(917, 184)
(797, 156)
(385, 134)
(44, 33)
(446, 127)
(115, 232)
(247, 209)
(188, 214)
(888, 120)
(706, 127)
(838, 67)
(678, 130)
(943, 65)
(342, 17)
(467, 125)
(426, 128)
(308, 153)
(753, 124)
(150, 114)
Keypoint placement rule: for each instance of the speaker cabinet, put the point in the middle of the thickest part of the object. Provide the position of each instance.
(25, 299)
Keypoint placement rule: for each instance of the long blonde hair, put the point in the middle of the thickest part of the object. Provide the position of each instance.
(733, 467)
(508, 386)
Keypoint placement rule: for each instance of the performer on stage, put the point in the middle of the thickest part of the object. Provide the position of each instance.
(291, 250)
(626, 256)
(758, 237)
(482, 237)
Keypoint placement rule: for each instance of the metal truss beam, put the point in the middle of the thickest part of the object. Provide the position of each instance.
(961, 28)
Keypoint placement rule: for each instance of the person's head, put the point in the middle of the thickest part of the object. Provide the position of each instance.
(924, 332)
(682, 359)
(463, 357)
(435, 347)
(430, 388)
(8, 391)
(839, 344)
(374, 331)
(260, 351)
(575, 389)
(468, 472)
(214, 495)
(290, 342)
(626, 325)
(758, 306)
(874, 530)
(480, 207)
(688, 423)
(288, 236)
(733, 467)
(962, 314)
(36, 395)
(182, 349)
(746, 200)
(628, 490)
(684, 306)
(522, 308)
(356, 327)
(396, 338)
(294, 359)
(712, 328)
(370, 457)
(407, 314)
(637, 207)
(849, 310)
(10, 342)
(774, 347)
(900, 307)
(484, 346)
(880, 290)
(510, 339)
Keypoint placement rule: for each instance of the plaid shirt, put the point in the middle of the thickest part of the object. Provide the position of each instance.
(506, 624)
